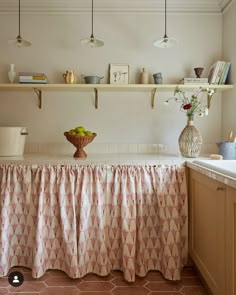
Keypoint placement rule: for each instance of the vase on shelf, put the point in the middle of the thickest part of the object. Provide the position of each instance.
(198, 72)
(12, 73)
(190, 141)
(144, 77)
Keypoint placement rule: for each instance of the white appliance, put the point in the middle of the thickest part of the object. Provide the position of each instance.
(12, 141)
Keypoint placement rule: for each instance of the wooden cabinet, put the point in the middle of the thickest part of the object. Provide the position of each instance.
(230, 241)
(207, 229)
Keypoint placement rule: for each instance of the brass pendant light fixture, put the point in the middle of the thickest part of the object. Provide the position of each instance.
(165, 42)
(92, 41)
(19, 41)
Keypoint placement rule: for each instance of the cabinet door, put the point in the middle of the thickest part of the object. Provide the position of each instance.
(230, 241)
(207, 229)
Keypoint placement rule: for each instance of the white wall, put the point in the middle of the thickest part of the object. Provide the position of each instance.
(229, 49)
(121, 117)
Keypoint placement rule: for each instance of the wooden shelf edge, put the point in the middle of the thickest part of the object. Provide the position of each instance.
(153, 88)
(111, 87)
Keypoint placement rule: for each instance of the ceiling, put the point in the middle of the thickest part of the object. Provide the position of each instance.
(77, 6)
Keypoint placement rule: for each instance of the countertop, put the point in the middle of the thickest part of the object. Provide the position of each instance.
(203, 164)
(95, 159)
(223, 171)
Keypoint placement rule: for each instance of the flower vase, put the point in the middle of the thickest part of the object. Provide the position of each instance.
(12, 73)
(190, 141)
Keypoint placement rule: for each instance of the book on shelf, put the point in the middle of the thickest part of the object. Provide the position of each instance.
(33, 82)
(26, 76)
(31, 74)
(33, 77)
(195, 81)
(218, 72)
(225, 73)
(213, 72)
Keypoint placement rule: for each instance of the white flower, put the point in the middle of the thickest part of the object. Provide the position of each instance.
(195, 103)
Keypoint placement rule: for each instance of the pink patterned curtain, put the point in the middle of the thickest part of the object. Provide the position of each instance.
(83, 219)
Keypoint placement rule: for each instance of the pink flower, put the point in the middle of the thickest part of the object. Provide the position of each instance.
(187, 106)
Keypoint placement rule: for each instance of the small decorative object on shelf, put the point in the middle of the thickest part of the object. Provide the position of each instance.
(198, 72)
(92, 79)
(119, 74)
(190, 139)
(32, 78)
(80, 137)
(157, 78)
(12, 73)
(144, 77)
(69, 77)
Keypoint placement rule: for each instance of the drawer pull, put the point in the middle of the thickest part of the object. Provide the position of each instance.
(220, 189)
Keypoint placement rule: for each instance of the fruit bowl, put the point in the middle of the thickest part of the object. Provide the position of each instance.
(80, 142)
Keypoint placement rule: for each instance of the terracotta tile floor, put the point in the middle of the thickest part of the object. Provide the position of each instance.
(57, 283)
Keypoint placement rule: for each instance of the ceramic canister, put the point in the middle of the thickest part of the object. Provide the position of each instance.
(158, 78)
(227, 150)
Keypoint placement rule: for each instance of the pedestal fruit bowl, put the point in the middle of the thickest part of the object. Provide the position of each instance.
(79, 137)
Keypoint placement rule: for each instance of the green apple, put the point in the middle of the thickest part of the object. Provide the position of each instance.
(88, 133)
(72, 132)
(80, 133)
(79, 129)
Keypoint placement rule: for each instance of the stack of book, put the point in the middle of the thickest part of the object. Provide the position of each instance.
(218, 72)
(32, 78)
(193, 81)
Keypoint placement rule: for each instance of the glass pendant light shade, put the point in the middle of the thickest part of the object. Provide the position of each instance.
(165, 42)
(19, 41)
(92, 41)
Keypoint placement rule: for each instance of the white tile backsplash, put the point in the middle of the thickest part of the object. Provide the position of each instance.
(152, 148)
(143, 148)
(133, 148)
(123, 148)
(113, 148)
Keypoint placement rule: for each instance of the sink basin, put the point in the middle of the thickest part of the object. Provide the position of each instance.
(227, 167)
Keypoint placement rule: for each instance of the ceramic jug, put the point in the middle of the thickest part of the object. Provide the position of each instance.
(69, 77)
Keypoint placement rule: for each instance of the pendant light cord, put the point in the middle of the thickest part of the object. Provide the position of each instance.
(165, 21)
(92, 20)
(19, 17)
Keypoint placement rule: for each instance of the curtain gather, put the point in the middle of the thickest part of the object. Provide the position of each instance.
(83, 219)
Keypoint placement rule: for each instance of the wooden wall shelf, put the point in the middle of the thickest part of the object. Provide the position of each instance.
(152, 88)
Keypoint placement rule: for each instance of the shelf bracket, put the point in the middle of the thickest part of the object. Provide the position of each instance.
(96, 98)
(153, 97)
(209, 97)
(39, 95)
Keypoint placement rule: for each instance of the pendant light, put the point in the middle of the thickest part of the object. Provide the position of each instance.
(165, 42)
(19, 41)
(92, 41)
